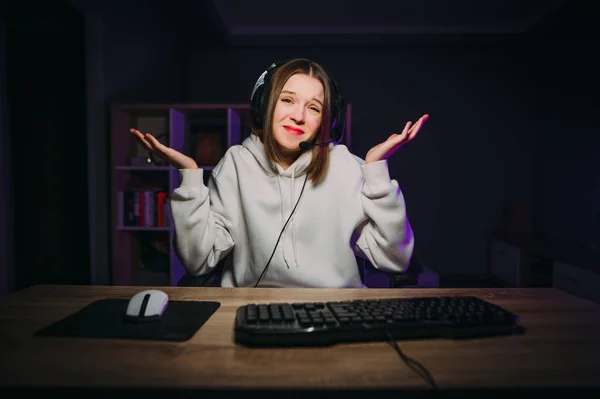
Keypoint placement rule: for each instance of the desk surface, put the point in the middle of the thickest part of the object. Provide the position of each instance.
(561, 348)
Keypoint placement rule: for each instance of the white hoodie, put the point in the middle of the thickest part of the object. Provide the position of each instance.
(355, 210)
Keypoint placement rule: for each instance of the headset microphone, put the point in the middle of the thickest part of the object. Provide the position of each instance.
(305, 145)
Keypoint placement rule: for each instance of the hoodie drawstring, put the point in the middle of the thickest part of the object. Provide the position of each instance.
(293, 202)
(284, 218)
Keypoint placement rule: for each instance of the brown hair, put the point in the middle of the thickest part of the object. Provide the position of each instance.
(320, 155)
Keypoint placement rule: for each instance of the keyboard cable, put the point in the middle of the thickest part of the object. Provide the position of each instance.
(414, 365)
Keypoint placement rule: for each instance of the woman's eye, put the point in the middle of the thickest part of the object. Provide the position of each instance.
(315, 109)
(286, 100)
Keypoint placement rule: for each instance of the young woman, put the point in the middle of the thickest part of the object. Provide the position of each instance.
(292, 206)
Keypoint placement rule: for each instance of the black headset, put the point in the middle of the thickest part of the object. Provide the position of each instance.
(260, 95)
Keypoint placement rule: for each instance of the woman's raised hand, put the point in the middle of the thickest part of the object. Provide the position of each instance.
(387, 148)
(167, 154)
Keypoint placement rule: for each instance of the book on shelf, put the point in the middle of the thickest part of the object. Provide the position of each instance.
(142, 208)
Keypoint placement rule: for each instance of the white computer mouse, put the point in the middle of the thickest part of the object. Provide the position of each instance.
(148, 305)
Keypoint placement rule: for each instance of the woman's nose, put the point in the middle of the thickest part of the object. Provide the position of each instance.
(297, 114)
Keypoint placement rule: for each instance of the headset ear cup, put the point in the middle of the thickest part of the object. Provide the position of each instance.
(335, 117)
(256, 107)
(338, 113)
(338, 119)
(260, 95)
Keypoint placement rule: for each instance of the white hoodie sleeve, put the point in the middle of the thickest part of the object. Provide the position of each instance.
(386, 239)
(202, 227)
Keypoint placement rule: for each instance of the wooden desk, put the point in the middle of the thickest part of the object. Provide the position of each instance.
(561, 348)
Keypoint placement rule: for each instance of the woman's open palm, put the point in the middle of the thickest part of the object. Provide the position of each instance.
(387, 148)
(167, 154)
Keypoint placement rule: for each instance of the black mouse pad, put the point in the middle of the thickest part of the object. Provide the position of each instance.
(106, 319)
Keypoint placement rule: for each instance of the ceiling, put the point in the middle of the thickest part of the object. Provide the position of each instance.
(252, 18)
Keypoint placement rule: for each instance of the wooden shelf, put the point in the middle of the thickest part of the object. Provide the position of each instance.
(142, 228)
(143, 168)
(155, 168)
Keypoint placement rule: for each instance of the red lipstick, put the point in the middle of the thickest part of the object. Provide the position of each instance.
(294, 130)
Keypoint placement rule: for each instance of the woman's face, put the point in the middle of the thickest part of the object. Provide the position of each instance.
(298, 112)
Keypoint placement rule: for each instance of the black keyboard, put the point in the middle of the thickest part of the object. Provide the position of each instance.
(327, 323)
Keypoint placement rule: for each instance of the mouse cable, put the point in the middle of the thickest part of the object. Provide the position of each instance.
(414, 365)
(282, 230)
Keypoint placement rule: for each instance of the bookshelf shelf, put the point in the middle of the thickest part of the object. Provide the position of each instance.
(143, 168)
(141, 228)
